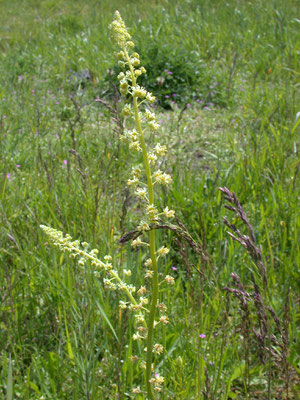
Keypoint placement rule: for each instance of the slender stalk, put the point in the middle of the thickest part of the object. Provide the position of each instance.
(154, 296)
(152, 313)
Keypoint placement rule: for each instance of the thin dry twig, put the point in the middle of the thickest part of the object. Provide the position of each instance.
(179, 230)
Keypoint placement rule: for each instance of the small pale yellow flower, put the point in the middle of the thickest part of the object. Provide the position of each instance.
(142, 291)
(142, 330)
(154, 125)
(163, 251)
(121, 76)
(137, 242)
(148, 262)
(122, 305)
(137, 336)
(143, 226)
(164, 319)
(136, 307)
(144, 300)
(159, 379)
(139, 91)
(143, 364)
(140, 318)
(169, 213)
(170, 280)
(152, 158)
(148, 274)
(152, 211)
(162, 307)
(120, 56)
(133, 182)
(132, 135)
(150, 116)
(127, 110)
(135, 61)
(108, 266)
(135, 146)
(150, 98)
(158, 348)
(131, 288)
(162, 177)
(141, 193)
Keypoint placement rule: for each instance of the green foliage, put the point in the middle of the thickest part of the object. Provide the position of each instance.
(58, 324)
(176, 76)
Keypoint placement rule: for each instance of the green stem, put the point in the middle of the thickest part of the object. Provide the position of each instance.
(152, 313)
(152, 240)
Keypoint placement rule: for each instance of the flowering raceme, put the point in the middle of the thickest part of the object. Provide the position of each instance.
(144, 118)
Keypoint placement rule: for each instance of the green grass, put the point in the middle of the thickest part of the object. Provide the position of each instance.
(61, 333)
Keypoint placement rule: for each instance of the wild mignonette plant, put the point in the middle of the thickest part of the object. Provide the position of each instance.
(148, 312)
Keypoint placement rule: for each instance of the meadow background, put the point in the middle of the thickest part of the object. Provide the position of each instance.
(226, 77)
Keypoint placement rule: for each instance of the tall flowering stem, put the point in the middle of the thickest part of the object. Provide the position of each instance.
(128, 85)
(139, 110)
(154, 298)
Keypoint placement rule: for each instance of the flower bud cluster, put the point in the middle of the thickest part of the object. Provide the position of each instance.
(112, 279)
(128, 85)
(80, 251)
(158, 348)
(119, 33)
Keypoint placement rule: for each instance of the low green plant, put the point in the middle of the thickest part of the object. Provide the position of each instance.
(143, 301)
(176, 76)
